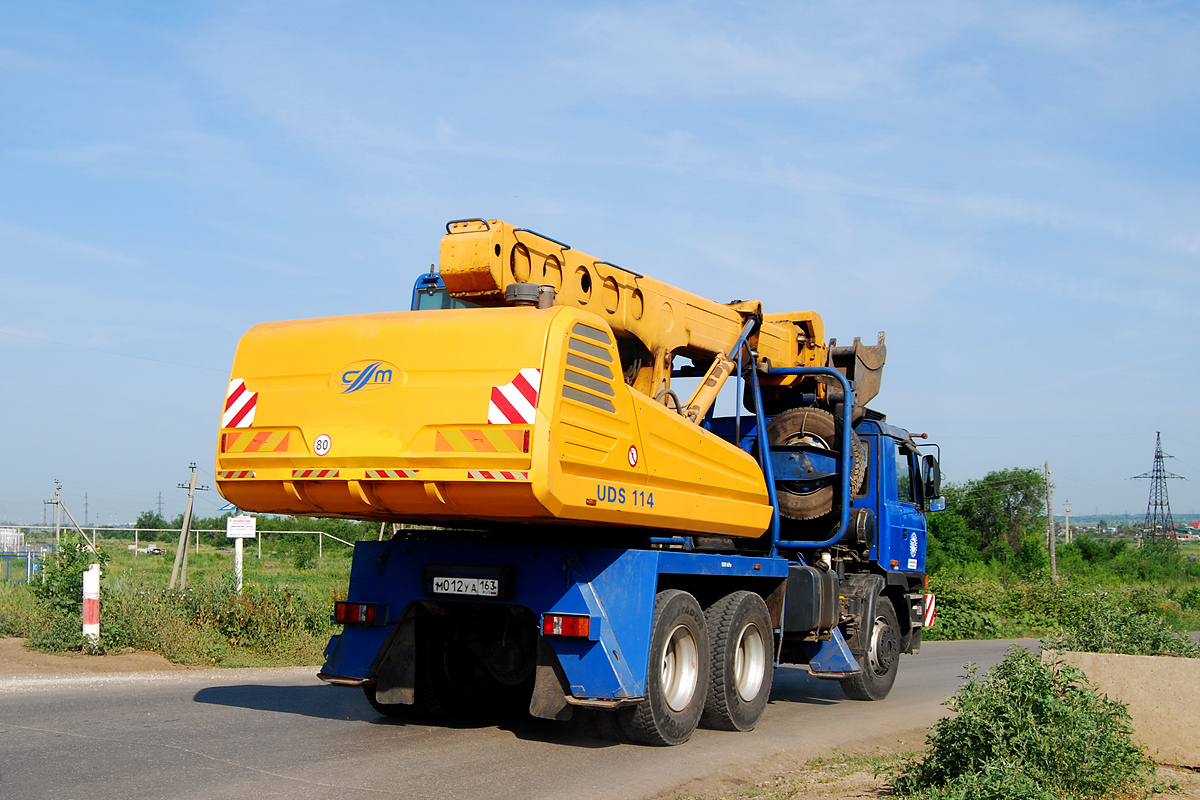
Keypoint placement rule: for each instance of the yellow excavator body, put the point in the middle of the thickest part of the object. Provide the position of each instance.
(470, 417)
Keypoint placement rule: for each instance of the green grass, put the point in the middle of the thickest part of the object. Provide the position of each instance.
(280, 619)
(979, 606)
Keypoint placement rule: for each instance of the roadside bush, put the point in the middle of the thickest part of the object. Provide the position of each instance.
(62, 589)
(20, 613)
(1028, 730)
(63, 631)
(1038, 605)
(210, 623)
(304, 552)
(59, 596)
(1188, 597)
(1133, 628)
(966, 608)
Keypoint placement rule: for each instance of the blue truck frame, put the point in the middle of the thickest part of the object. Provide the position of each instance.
(615, 587)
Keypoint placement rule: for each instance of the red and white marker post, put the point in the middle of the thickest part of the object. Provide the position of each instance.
(91, 605)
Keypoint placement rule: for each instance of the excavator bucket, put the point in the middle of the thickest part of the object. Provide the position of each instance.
(862, 365)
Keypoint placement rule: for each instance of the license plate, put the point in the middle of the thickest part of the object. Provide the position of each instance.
(478, 587)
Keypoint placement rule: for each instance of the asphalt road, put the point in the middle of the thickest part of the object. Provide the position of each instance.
(281, 733)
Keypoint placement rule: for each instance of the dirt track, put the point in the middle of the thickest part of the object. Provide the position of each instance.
(15, 661)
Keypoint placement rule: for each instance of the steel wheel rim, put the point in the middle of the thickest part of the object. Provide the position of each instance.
(810, 440)
(879, 629)
(679, 669)
(750, 660)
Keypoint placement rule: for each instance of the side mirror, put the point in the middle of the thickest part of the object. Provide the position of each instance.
(932, 474)
(937, 504)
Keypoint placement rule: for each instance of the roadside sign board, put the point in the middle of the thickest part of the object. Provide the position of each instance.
(240, 527)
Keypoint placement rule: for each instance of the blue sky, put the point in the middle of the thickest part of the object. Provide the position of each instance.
(1011, 191)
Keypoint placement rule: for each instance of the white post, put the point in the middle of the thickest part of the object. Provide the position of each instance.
(237, 563)
(135, 542)
(91, 605)
(320, 544)
(238, 528)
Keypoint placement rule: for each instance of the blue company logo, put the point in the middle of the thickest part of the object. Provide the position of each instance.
(366, 375)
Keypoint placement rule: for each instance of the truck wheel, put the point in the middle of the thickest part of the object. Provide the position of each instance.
(677, 678)
(882, 658)
(739, 630)
(812, 426)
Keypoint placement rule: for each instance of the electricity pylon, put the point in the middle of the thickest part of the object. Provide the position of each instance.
(1159, 523)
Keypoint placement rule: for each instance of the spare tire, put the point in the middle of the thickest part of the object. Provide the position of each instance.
(804, 500)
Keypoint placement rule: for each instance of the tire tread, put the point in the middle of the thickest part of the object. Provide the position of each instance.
(721, 617)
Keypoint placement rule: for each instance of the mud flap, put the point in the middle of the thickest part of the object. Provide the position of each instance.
(396, 674)
(832, 659)
(550, 686)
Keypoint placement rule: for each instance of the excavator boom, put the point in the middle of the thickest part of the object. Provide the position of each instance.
(652, 320)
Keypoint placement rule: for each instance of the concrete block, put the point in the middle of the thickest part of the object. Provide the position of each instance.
(1162, 693)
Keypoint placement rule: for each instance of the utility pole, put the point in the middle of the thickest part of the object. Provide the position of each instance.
(1050, 527)
(1067, 534)
(56, 502)
(59, 507)
(160, 516)
(85, 509)
(179, 570)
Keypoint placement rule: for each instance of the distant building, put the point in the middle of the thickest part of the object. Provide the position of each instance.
(12, 540)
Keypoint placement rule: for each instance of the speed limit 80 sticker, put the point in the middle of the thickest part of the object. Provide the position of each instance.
(322, 444)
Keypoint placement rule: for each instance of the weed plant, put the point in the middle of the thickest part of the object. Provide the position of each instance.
(1028, 730)
(981, 607)
(1132, 628)
(20, 613)
(282, 616)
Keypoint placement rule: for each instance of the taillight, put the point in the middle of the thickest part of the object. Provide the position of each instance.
(357, 613)
(566, 625)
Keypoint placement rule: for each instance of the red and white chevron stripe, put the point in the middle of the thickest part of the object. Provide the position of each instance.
(496, 475)
(516, 402)
(229, 474)
(239, 405)
(930, 609)
(315, 473)
(390, 474)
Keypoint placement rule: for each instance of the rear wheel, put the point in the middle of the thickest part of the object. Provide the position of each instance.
(453, 684)
(881, 660)
(804, 500)
(740, 633)
(677, 678)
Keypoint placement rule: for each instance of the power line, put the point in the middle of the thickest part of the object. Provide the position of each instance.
(108, 352)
